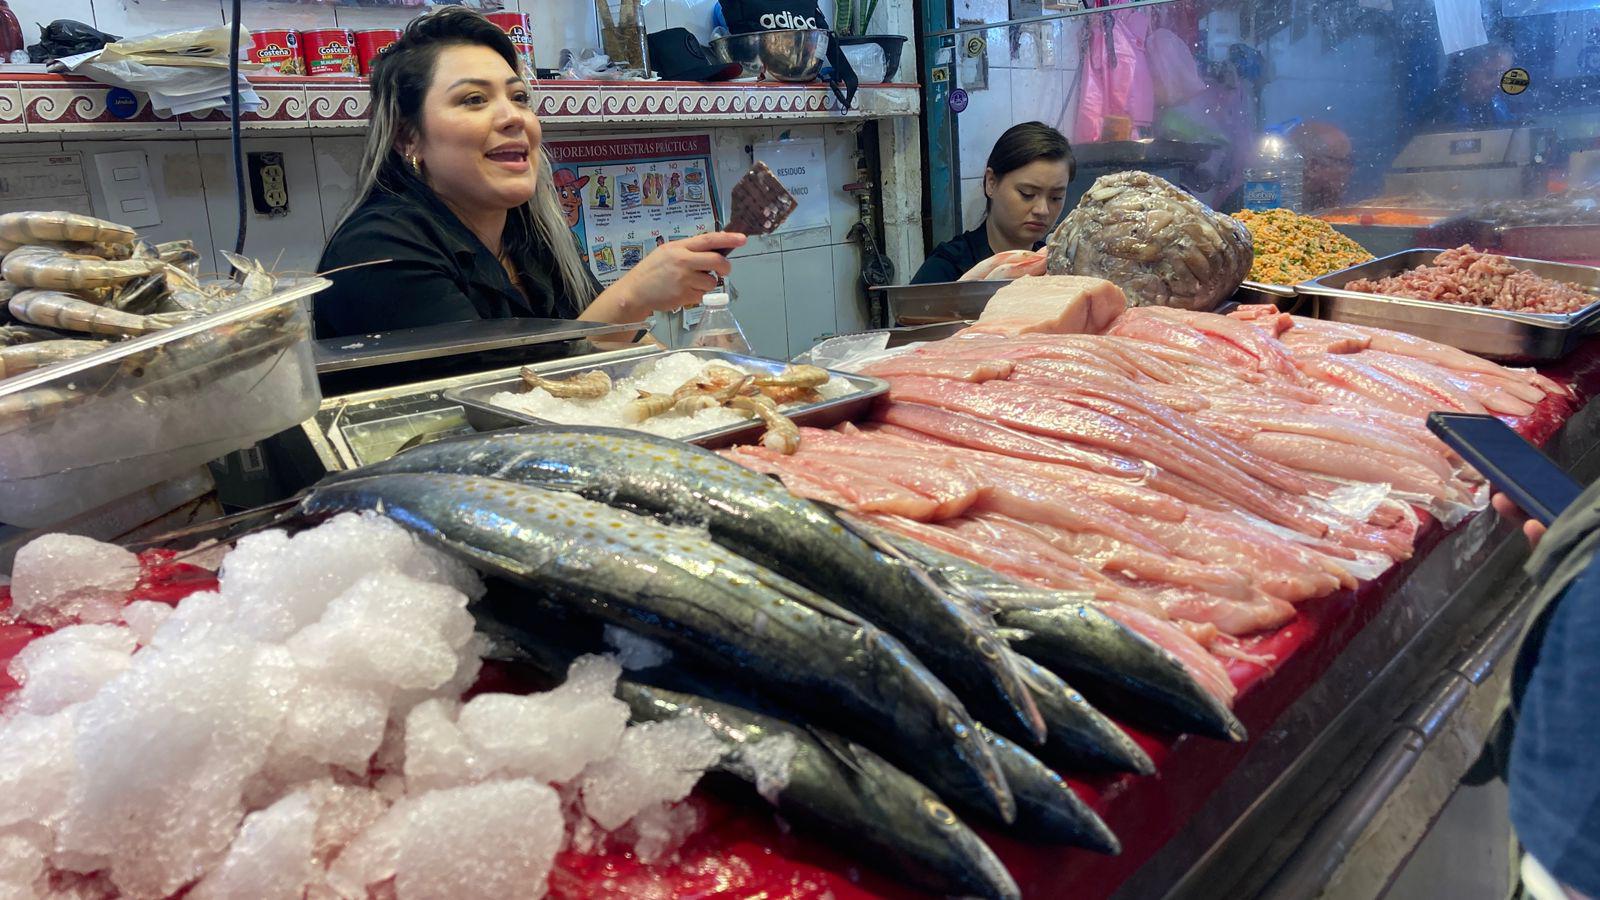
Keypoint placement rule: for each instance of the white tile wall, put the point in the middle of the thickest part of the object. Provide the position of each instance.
(972, 207)
(790, 290)
(338, 161)
(179, 192)
(989, 113)
(759, 303)
(291, 243)
(808, 296)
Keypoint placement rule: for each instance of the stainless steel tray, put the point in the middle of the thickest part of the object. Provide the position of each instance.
(485, 416)
(1499, 334)
(963, 301)
(947, 301)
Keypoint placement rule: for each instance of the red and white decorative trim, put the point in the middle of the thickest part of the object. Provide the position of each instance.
(58, 105)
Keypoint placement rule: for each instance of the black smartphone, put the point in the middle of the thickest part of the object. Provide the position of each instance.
(1513, 466)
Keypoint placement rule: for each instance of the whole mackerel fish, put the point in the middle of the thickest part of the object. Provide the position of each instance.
(756, 517)
(1049, 811)
(1118, 669)
(851, 794)
(674, 585)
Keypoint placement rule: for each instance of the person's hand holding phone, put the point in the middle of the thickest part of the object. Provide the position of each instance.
(1508, 510)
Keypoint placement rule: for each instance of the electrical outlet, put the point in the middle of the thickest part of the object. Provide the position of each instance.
(269, 184)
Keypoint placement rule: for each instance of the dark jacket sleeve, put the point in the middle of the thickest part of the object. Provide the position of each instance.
(416, 287)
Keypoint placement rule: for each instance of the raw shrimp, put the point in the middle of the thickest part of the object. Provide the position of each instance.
(31, 227)
(588, 386)
(48, 267)
(12, 335)
(21, 358)
(795, 384)
(53, 309)
(695, 401)
(647, 406)
(782, 434)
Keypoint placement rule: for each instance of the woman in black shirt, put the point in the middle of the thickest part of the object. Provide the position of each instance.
(456, 214)
(1024, 186)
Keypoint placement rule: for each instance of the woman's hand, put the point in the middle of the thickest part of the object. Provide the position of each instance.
(1508, 510)
(675, 274)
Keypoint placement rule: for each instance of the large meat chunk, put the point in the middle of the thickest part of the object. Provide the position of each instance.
(1159, 244)
(1051, 304)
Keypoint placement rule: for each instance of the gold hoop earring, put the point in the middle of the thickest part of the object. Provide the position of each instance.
(416, 164)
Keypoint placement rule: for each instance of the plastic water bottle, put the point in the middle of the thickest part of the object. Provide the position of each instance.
(1276, 174)
(717, 329)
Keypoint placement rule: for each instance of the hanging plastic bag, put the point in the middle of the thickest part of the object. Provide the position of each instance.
(202, 47)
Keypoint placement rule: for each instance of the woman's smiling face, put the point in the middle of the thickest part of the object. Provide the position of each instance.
(478, 139)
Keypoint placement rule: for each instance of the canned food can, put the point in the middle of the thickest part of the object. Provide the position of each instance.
(278, 50)
(519, 28)
(329, 51)
(370, 43)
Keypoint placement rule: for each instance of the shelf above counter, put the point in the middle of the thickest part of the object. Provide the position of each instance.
(58, 107)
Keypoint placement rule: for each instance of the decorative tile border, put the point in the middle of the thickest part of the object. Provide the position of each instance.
(12, 120)
(54, 104)
(79, 105)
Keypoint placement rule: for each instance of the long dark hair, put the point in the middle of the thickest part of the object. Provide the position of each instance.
(1028, 142)
(400, 81)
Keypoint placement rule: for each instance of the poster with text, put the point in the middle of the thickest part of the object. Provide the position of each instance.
(802, 168)
(624, 197)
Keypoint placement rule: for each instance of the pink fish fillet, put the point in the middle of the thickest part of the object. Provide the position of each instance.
(840, 485)
(1269, 354)
(1437, 382)
(983, 434)
(1111, 556)
(1314, 454)
(1283, 569)
(1007, 264)
(1230, 617)
(973, 370)
(1420, 348)
(1053, 304)
(1377, 387)
(1182, 337)
(1038, 415)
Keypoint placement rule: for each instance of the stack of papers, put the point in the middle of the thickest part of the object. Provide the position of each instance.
(182, 71)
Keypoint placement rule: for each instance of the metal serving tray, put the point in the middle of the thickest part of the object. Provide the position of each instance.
(963, 301)
(485, 416)
(1499, 334)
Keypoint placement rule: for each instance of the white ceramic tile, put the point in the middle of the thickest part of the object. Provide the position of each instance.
(356, 18)
(175, 178)
(981, 10)
(972, 207)
(1072, 36)
(727, 145)
(43, 12)
(849, 307)
(558, 25)
(1039, 94)
(808, 296)
(300, 17)
(338, 161)
(1024, 53)
(655, 14)
(132, 18)
(289, 244)
(694, 15)
(758, 303)
(839, 143)
(988, 115)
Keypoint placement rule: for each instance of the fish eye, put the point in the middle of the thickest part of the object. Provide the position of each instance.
(938, 812)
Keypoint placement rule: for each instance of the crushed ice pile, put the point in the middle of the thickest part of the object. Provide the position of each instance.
(658, 376)
(301, 733)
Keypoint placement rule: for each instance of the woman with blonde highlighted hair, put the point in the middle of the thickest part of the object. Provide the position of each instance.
(456, 214)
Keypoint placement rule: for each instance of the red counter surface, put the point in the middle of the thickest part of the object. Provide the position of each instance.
(745, 851)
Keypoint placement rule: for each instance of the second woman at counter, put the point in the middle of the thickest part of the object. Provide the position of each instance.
(455, 198)
(1024, 186)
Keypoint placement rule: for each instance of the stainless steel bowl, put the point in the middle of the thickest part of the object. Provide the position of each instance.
(794, 54)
